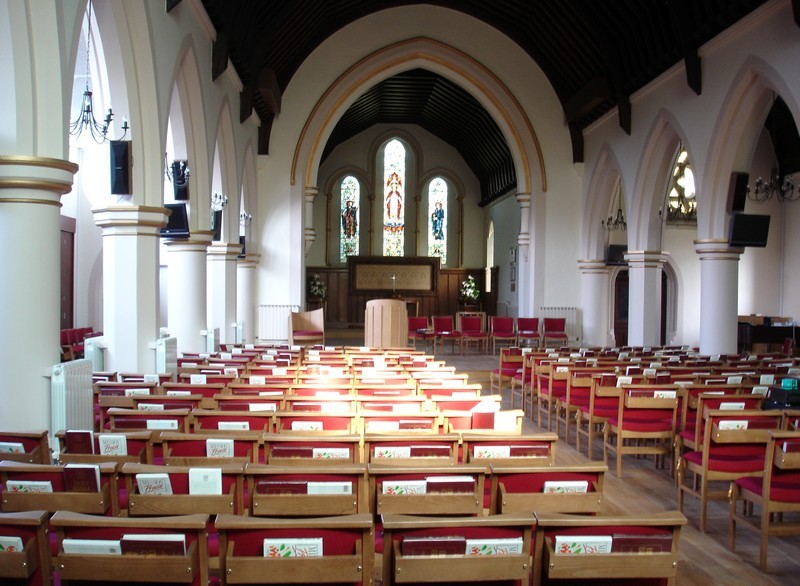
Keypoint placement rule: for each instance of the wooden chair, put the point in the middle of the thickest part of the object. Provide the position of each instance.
(473, 332)
(215, 421)
(444, 329)
(579, 387)
(552, 391)
(100, 502)
(522, 384)
(181, 501)
(554, 329)
(777, 493)
(645, 423)
(500, 421)
(307, 328)
(528, 332)
(411, 449)
(307, 491)
(652, 555)
(405, 490)
(555, 489)
(191, 568)
(400, 568)
(348, 546)
(508, 449)
(419, 330)
(31, 564)
(604, 401)
(302, 449)
(510, 363)
(137, 448)
(317, 422)
(135, 420)
(501, 330)
(730, 451)
(25, 446)
(191, 449)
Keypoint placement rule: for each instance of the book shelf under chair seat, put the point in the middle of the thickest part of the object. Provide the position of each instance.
(31, 565)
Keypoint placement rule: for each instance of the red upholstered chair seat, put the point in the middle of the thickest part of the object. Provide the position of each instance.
(785, 490)
(643, 425)
(729, 462)
(307, 333)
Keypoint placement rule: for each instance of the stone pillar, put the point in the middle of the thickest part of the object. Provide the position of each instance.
(186, 297)
(719, 286)
(525, 286)
(246, 296)
(644, 298)
(130, 285)
(595, 288)
(221, 259)
(30, 192)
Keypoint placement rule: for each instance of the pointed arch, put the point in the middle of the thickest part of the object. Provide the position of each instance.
(599, 198)
(445, 60)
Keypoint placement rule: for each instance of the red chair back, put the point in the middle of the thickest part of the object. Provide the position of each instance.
(527, 324)
(555, 325)
(501, 325)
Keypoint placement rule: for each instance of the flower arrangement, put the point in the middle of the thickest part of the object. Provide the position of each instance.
(316, 288)
(469, 290)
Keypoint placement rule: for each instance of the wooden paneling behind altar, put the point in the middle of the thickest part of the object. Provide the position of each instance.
(346, 308)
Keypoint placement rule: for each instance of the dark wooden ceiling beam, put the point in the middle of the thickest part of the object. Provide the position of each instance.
(678, 11)
(269, 89)
(586, 99)
(796, 11)
(170, 4)
(220, 52)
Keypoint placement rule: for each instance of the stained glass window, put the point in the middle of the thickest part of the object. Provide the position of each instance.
(348, 234)
(394, 176)
(681, 200)
(437, 224)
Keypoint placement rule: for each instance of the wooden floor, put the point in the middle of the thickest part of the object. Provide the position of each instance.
(705, 557)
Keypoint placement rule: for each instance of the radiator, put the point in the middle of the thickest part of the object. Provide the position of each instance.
(167, 356)
(212, 340)
(94, 351)
(70, 398)
(273, 322)
(573, 326)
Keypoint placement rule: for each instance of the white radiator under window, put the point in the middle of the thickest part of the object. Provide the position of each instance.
(71, 398)
(273, 322)
(574, 326)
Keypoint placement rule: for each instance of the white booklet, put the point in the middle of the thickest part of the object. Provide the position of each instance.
(92, 546)
(154, 483)
(10, 543)
(112, 444)
(12, 448)
(205, 481)
(29, 486)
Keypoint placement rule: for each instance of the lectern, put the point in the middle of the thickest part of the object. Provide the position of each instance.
(386, 323)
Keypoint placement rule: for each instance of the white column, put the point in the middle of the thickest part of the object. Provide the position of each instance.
(130, 284)
(221, 261)
(525, 286)
(644, 298)
(186, 297)
(595, 287)
(30, 192)
(246, 296)
(719, 286)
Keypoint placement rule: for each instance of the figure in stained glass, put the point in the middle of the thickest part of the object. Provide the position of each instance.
(437, 222)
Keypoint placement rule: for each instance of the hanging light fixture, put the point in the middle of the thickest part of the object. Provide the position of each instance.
(178, 173)
(245, 218)
(85, 118)
(218, 202)
(682, 196)
(616, 222)
(778, 186)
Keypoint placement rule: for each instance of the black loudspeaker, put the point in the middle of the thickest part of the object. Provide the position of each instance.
(120, 158)
(737, 192)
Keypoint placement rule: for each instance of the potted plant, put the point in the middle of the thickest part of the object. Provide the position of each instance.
(468, 293)
(315, 287)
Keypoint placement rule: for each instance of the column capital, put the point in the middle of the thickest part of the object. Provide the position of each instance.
(310, 192)
(130, 220)
(198, 241)
(224, 251)
(523, 199)
(35, 180)
(593, 266)
(716, 250)
(250, 260)
(646, 258)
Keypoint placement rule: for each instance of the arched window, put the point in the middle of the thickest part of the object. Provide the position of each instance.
(490, 258)
(681, 200)
(437, 223)
(348, 233)
(394, 177)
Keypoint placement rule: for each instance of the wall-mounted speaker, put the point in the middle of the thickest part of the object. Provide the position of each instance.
(737, 192)
(120, 158)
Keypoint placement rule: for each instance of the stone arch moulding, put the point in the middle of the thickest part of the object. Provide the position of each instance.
(435, 56)
(598, 202)
(735, 136)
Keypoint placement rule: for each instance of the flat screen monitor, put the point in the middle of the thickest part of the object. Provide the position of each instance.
(615, 255)
(749, 230)
(178, 222)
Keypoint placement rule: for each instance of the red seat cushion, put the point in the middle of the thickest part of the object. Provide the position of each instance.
(784, 490)
(728, 462)
(307, 332)
(643, 425)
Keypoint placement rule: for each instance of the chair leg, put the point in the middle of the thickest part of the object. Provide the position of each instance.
(619, 452)
(703, 502)
(733, 497)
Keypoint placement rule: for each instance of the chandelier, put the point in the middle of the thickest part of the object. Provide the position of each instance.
(85, 118)
(245, 218)
(782, 188)
(177, 172)
(616, 222)
(778, 186)
(218, 202)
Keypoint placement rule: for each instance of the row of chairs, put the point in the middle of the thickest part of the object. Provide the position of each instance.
(249, 549)
(502, 332)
